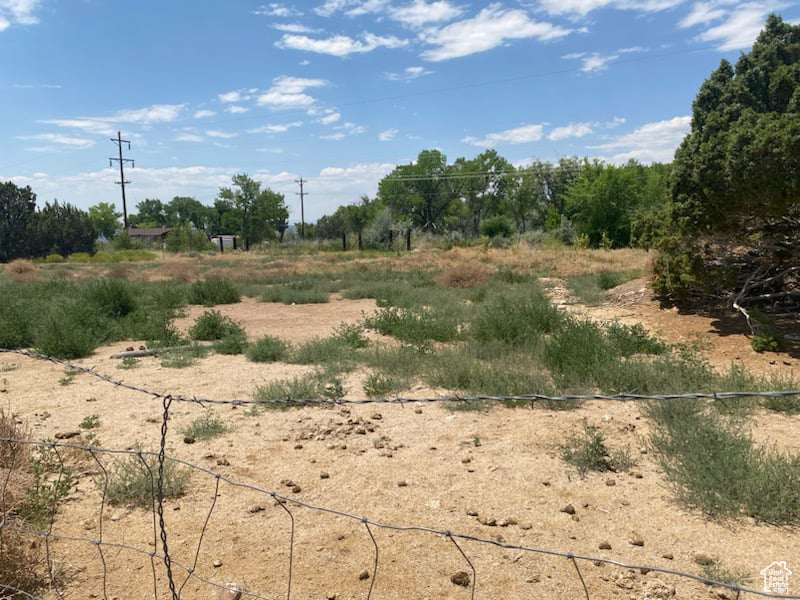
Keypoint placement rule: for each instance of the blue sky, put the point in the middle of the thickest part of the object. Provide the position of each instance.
(339, 91)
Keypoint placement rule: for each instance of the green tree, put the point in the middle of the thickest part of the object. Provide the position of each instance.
(421, 191)
(17, 212)
(261, 214)
(482, 183)
(357, 216)
(62, 229)
(150, 212)
(734, 229)
(105, 218)
(187, 210)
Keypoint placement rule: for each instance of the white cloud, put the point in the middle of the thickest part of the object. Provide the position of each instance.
(289, 92)
(573, 130)
(330, 117)
(342, 131)
(701, 13)
(333, 136)
(580, 8)
(592, 62)
(225, 135)
(490, 28)
(157, 113)
(20, 12)
(340, 45)
(236, 110)
(202, 114)
(408, 74)
(60, 140)
(276, 9)
(352, 8)
(33, 86)
(519, 135)
(229, 97)
(652, 142)
(189, 137)
(420, 12)
(276, 127)
(741, 26)
(388, 135)
(293, 28)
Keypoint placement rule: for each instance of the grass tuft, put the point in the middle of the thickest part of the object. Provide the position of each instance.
(587, 451)
(206, 427)
(267, 349)
(212, 291)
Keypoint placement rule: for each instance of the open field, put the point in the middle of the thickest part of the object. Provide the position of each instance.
(423, 324)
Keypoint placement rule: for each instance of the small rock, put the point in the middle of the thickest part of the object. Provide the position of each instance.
(363, 575)
(418, 411)
(569, 509)
(67, 435)
(604, 546)
(324, 475)
(507, 522)
(466, 460)
(472, 513)
(667, 555)
(461, 578)
(611, 482)
(296, 489)
(116, 517)
(402, 483)
(636, 540)
(217, 563)
(488, 521)
(298, 446)
(377, 417)
(575, 518)
(526, 526)
(129, 349)
(187, 439)
(223, 462)
(256, 508)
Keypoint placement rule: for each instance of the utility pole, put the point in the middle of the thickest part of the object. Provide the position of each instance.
(302, 195)
(122, 181)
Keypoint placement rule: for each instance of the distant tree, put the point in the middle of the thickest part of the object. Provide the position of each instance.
(105, 218)
(187, 210)
(482, 183)
(149, 213)
(261, 214)
(357, 217)
(62, 229)
(420, 192)
(17, 212)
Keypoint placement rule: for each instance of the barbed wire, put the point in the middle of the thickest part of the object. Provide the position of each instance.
(287, 503)
(465, 398)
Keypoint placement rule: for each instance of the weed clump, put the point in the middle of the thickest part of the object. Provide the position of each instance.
(290, 295)
(212, 291)
(132, 481)
(206, 427)
(519, 316)
(112, 297)
(587, 451)
(68, 330)
(415, 325)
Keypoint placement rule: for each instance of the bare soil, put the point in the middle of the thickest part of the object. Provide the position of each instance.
(405, 465)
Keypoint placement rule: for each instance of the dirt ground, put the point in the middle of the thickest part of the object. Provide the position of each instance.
(406, 465)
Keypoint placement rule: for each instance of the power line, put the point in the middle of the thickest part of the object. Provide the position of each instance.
(122, 181)
(302, 195)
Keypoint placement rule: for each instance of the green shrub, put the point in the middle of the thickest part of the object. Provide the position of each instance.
(267, 349)
(290, 390)
(288, 295)
(90, 422)
(50, 484)
(498, 226)
(415, 325)
(68, 329)
(231, 344)
(766, 342)
(16, 329)
(205, 427)
(212, 325)
(183, 357)
(627, 340)
(129, 362)
(79, 257)
(517, 316)
(337, 349)
(54, 258)
(587, 451)
(131, 482)
(785, 404)
(112, 297)
(591, 288)
(213, 291)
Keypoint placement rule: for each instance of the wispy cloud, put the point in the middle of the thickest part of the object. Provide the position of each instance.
(276, 127)
(572, 130)
(518, 135)
(203, 114)
(290, 92)
(340, 45)
(59, 140)
(277, 9)
(420, 12)
(740, 27)
(236, 109)
(19, 12)
(157, 113)
(408, 74)
(581, 8)
(491, 27)
(388, 135)
(652, 142)
(225, 135)
(293, 28)
(591, 62)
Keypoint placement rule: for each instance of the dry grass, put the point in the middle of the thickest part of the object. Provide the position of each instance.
(22, 270)
(464, 275)
(22, 565)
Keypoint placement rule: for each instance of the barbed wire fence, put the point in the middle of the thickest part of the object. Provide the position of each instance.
(175, 575)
